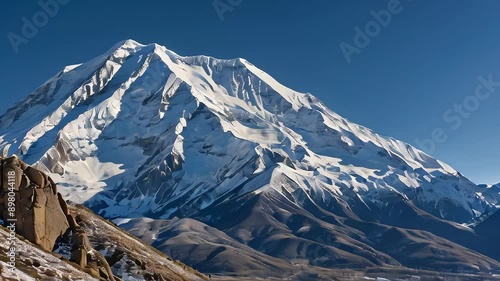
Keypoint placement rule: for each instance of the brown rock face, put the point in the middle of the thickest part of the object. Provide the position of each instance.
(82, 253)
(30, 197)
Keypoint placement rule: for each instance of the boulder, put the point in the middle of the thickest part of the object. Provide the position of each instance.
(92, 261)
(40, 217)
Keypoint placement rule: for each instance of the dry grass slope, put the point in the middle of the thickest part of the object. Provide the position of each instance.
(124, 250)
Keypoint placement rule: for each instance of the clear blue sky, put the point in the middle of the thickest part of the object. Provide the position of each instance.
(416, 68)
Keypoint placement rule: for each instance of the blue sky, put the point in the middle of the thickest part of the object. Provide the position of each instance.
(413, 70)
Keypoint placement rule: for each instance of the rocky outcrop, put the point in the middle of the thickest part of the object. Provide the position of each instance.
(83, 254)
(31, 203)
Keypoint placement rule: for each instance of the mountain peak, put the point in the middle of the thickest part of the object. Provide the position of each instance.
(211, 128)
(127, 44)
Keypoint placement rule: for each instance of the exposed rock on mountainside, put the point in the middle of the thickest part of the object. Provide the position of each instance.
(91, 261)
(30, 198)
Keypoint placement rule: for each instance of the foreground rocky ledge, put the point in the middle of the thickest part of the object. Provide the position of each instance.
(65, 242)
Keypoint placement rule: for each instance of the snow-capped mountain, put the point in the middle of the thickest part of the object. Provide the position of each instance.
(180, 132)
(143, 132)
